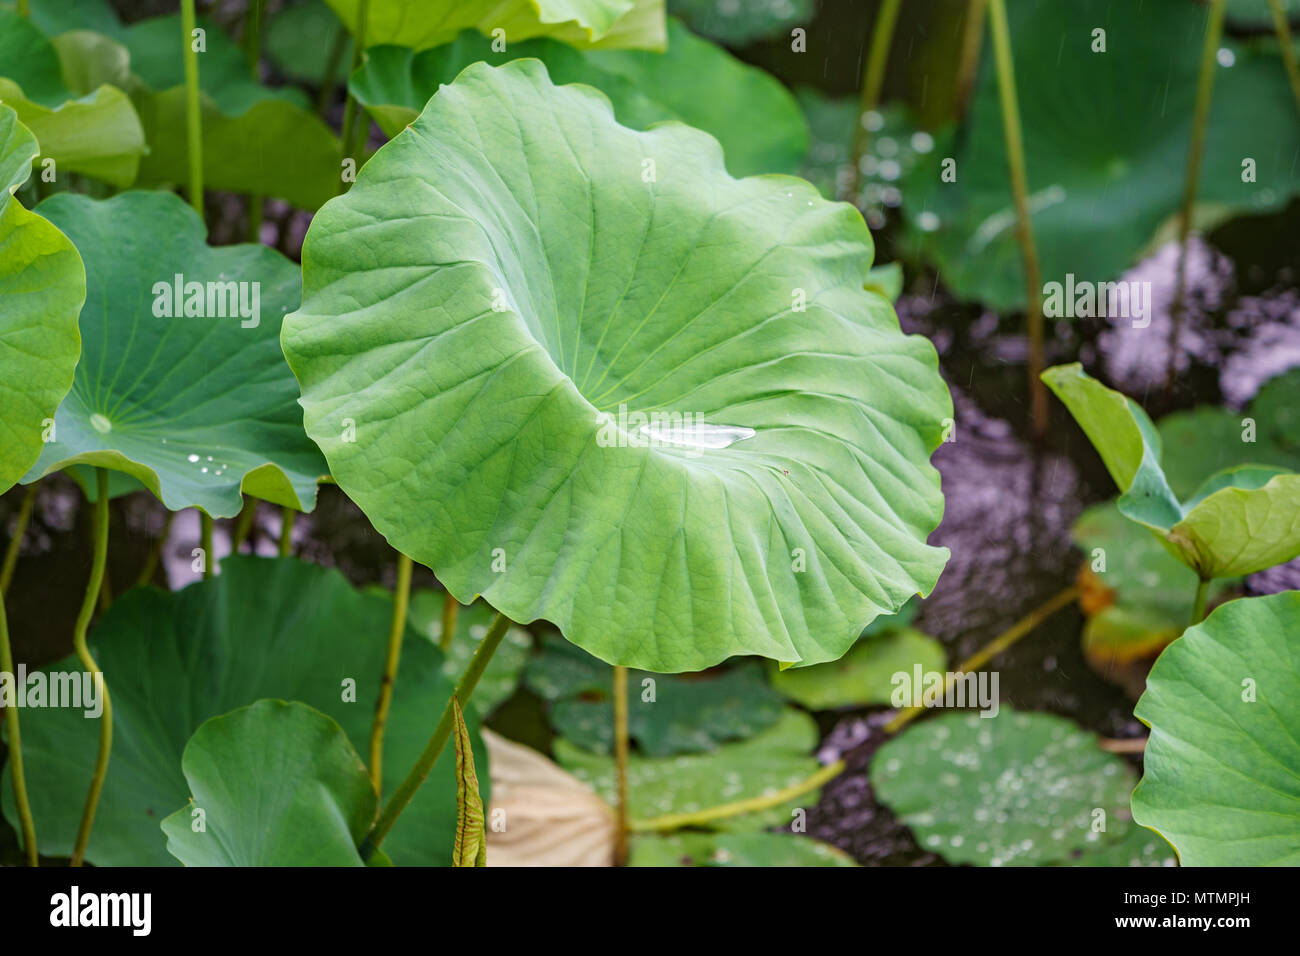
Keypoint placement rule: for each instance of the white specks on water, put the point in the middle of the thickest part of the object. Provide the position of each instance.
(1225, 57)
(922, 141)
(191, 458)
(873, 121)
(697, 435)
(928, 221)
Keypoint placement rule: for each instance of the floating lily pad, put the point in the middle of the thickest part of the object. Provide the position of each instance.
(93, 131)
(262, 628)
(735, 849)
(1017, 789)
(778, 757)
(504, 667)
(420, 24)
(1238, 522)
(736, 23)
(43, 286)
(197, 408)
(1138, 847)
(788, 510)
(278, 784)
(1105, 139)
(300, 40)
(1222, 766)
(753, 116)
(666, 714)
(865, 675)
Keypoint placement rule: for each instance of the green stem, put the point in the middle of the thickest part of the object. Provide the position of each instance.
(253, 50)
(288, 517)
(1204, 87)
(98, 562)
(351, 108)
(968, 63)
(205, 542)
(450, 611)
(242, 524)
(193, 119)
(1006, 73)
(620, 762)
(1198, 606)
(15, 543)
(1283, 30)
(16, 750)
(23, 10)
(437, 741)
(330, 77)
(401, 600)
(873, 78)
(155, 553)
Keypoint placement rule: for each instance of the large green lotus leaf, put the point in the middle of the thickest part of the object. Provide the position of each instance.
(1017, 789)
(608, 24)
(300, 40)
(777, 758)
(754, 117)
(736, 24)
(863, 676)
(59, 16)
(197, 409)
(666, 714)
(1105, 138)
(279, 784)
(263, 628)
(504, 668)
(734, 849)
(1222, 765)
(1240, 521)
(503, 433)
(93, 130)
(42, 285)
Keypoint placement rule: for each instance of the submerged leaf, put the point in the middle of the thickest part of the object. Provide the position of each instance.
(471, 840)
(274, 784)
(1221, 777)
(511, 296)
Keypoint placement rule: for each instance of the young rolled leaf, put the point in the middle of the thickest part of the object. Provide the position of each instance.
(272, 784)
(181, 382)
(608, 24)
(263, 628)
(93, 130)
(471, 836)
(598, 381)
(1240, 521)
(754, 117)
(43, 286)
(1221, 777)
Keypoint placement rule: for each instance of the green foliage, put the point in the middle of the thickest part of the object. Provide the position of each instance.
(736, 23)
(667, 714)
(501, 678)
(865, 674)
(489, 446)
(1015, 789)
(734, 849)
(753, 116)
(277, 784)
(196, 407)
(261, 629)
(1221, 777)
(43, 286)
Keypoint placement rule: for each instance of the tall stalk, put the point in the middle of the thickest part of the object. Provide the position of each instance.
(437, 741)
(972, 38)
(26, 824)
(98, 561)
(873, 78)
(450, 612)
(193, 118)
(1198, 606)
(401, 600)
(351, 108)
(288, 517)
(620, 763)
(15, 543)
(253, 49)
(155, 552)
(1283, 30)
(1204, 87)
(205, 542)
(1024, 227)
